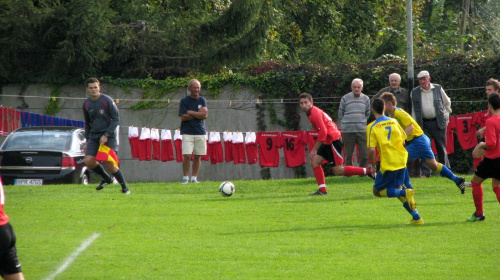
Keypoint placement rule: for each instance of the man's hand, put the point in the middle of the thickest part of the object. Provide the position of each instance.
(103, 139)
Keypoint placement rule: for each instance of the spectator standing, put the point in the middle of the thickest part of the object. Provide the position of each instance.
(193, 113)
(354, 111)
(431, 108)
(101, 120)
(402, 95)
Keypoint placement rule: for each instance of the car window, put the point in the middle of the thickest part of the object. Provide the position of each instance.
(51, 140)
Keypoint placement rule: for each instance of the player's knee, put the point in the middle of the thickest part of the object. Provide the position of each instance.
(338, 170)
(376, 192)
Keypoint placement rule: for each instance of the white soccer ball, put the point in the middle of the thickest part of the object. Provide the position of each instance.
(226, 189)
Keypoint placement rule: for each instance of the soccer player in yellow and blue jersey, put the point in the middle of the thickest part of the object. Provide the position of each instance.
(418, 144)
(386, 135)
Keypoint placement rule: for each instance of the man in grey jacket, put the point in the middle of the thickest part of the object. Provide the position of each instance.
(431, 108)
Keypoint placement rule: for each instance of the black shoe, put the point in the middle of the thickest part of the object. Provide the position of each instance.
(318, 192)
(371, 175)
(461, 184)
(475, 218)
(125, 191)
(103, 184)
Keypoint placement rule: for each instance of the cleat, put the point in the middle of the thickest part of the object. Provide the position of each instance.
(125, 191)
(184, 181)
(461, 184)
(195, 181)
(318, 192)
(102, 184)
(416, 222)
(410, 198)
(468, 184)
(370, 175)
(475, 218)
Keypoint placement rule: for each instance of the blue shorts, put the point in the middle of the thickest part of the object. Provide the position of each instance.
(420, 147)
(392, 179)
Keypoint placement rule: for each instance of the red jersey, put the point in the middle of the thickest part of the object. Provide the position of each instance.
(269, 145)
(322, 123)
(466, 130)
(4, 219)
(481, 117)
(294, 147)
(492, 137)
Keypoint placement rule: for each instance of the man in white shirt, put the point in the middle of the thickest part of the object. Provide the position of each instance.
(431, 108)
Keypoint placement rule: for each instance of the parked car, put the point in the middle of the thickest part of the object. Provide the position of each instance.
(44, 155)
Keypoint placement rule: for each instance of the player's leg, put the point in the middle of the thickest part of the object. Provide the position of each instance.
(495, 184)
(92, 164)
(334, 156)
(446, 172)
(117, 173)
(477, 195)
(319, 174)
(10, 268)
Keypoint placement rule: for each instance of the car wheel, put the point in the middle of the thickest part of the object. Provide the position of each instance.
(85, 179)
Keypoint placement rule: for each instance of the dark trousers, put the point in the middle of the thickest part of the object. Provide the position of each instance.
(432, 130)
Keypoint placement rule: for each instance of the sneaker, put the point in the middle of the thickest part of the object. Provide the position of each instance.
(475, 218)
(416, 222)
(102, 185)
(125, 191)
(410, 198)
(461, 184)
(195, 181)
(318, 192)
(185, 181)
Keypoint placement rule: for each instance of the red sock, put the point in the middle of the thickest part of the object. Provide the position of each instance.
(319, 174)
(352, 170)
(497, 192)
(477, 194)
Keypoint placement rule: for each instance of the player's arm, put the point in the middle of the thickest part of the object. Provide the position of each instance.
(408, 129)
(480, 132)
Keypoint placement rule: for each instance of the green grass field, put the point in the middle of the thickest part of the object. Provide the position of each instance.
(266, 230)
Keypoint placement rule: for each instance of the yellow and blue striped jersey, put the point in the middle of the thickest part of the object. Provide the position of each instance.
(388, 137)
(404, 119)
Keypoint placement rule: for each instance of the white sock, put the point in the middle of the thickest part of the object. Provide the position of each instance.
(185, 178)
(193, 178)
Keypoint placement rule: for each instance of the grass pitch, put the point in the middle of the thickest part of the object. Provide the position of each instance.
(266, 230)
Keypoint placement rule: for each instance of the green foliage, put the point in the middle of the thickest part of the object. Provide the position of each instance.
(53, 107)
(269, 229)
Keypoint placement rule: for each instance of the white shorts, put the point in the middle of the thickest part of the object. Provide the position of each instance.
(196, 144)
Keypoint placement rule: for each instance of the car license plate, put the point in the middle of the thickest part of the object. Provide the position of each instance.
(28, 182)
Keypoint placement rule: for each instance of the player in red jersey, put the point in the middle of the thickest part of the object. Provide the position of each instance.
(10, 268)
(328, 146)
(490, 166)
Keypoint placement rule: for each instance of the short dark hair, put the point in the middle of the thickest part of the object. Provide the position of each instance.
(389, 97)
(494, 83)
(306, 95)
(378, 106)
(494, 100)
(91, 81)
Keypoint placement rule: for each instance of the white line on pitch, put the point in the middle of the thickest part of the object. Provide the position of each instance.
(73, 256)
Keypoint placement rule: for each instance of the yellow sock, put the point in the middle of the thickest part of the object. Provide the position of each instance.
(383, 193)
(440, 167)
(402, 199)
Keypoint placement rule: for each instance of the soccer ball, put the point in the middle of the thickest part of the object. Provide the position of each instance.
(226, 189)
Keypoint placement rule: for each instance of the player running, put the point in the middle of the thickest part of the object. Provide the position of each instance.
(328, 146)
(490, 166)
(418, 144)
(388, 137)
